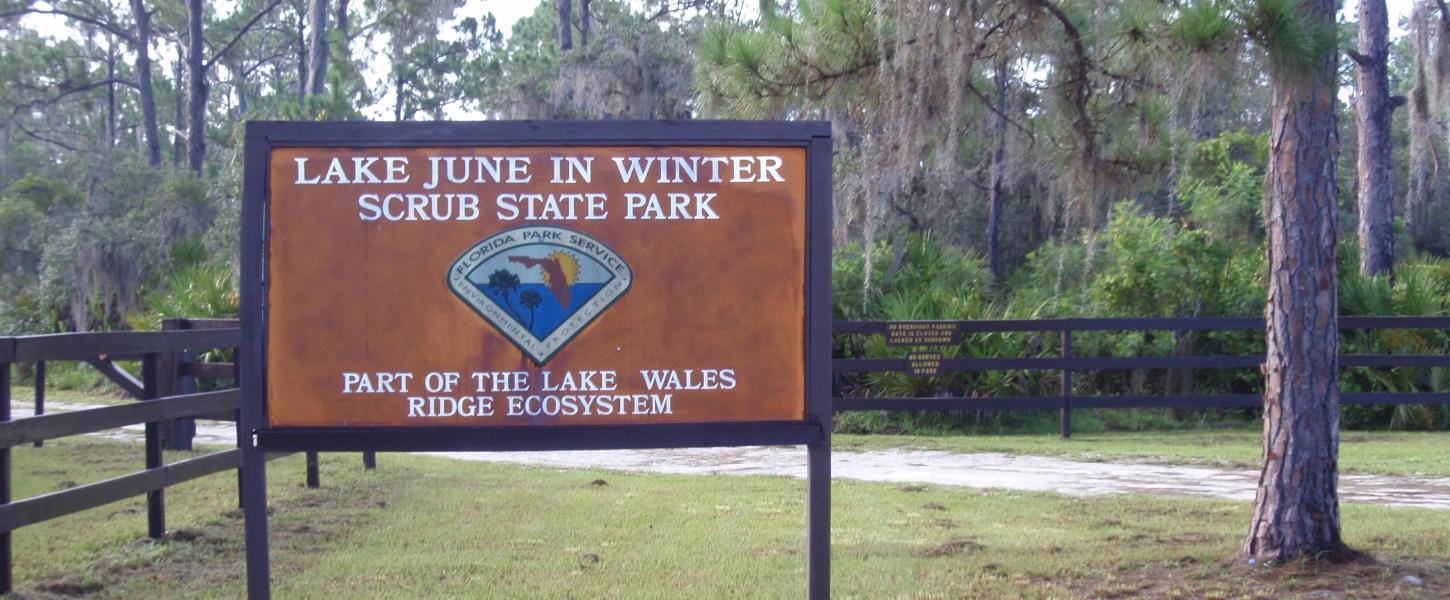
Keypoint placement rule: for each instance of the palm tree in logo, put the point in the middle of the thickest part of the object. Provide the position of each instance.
(530, 299)
(503, 283)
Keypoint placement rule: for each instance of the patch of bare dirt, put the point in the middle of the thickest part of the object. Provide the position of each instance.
(954, 546)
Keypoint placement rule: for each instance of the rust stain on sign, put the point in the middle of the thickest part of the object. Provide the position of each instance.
(509, 286)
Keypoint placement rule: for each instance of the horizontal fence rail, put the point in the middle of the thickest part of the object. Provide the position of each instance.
(167, 403)
(45, 427)
(1139, 324)
(169, 368)
(114, 344)
(949, 334)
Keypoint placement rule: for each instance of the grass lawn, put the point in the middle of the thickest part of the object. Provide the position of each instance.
(23, 397)
(1392, 453)
(432, 527)
(1378, 452)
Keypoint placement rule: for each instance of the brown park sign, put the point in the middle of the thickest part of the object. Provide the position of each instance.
(533, 285)
(582, 275)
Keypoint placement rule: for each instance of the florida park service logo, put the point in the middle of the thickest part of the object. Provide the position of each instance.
(539, 285)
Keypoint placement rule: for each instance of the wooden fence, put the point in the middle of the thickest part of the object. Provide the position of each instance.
(168, 403)
(167, 390)
(1066, 363)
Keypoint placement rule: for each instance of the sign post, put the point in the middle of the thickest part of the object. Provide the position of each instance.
(535, 286)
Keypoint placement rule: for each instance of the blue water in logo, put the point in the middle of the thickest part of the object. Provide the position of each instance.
(543, 318)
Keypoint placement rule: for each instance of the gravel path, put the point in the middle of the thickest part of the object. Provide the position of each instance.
(977, 470)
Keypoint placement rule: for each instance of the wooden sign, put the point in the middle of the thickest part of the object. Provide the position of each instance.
(924, 364)
(535, 285)
(923, 333)
(490, 275)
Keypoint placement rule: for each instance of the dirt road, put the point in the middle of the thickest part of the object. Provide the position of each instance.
(978, 470)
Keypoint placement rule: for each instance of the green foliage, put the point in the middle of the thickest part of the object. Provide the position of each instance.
(802, 58)
(1155, 268)
(1294, 43)
(919, 278)
(636, 64)
(335, 105)
(1205, 26)
(80, 262)
(1141, 265)
(76, 376)
(1419, 287)
(195, 291)
(1223, 188)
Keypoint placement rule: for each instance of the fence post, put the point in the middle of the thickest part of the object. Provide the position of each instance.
(5, 565)
(241, 436)
(370, 460)
(1065, 418)
(39, 393)
(176, 433)
(155, 499)
(314, 479)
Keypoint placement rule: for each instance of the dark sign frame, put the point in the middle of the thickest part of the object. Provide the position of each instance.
(813, 430)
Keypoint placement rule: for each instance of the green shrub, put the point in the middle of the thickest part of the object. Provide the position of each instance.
(198, 291)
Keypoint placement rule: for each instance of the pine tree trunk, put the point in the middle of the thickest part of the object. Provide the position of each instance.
(584, 22)
(1376, 175)
(994, 208)
(110, 90)
(317, 43)
(398, 82)
(302, 57)
(1422, 139)
(143, 82)
(177, 117)
(341, 24)
(566, 26)
(241, 87)
(196, 88)
(1296, 509)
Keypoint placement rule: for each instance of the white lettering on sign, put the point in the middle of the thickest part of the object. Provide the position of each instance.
(394, 171)
(539, 394)
(707, 379)
(551, 207)
(478, 170)
(418, 207)
(691, 169)
(675, 206)
(602, 405)
(375, 383)
(478, 174)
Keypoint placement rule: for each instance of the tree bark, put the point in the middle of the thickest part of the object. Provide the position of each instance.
(1422, 138)
(196, 88)
(566, 25)
(584, 22)
(1296, 509)
(317, 46)
(398, 85)
(994, 203)
(110, 90)
(341, 23)
(237, 66)
(1376, 175)
(177, 116)
(143, 82)
(301, 52)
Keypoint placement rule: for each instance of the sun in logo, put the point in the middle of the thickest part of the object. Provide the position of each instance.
(538, 286)
(560, 270)
(568, 267)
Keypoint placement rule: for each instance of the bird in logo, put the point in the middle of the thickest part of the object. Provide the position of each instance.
(560, 270)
